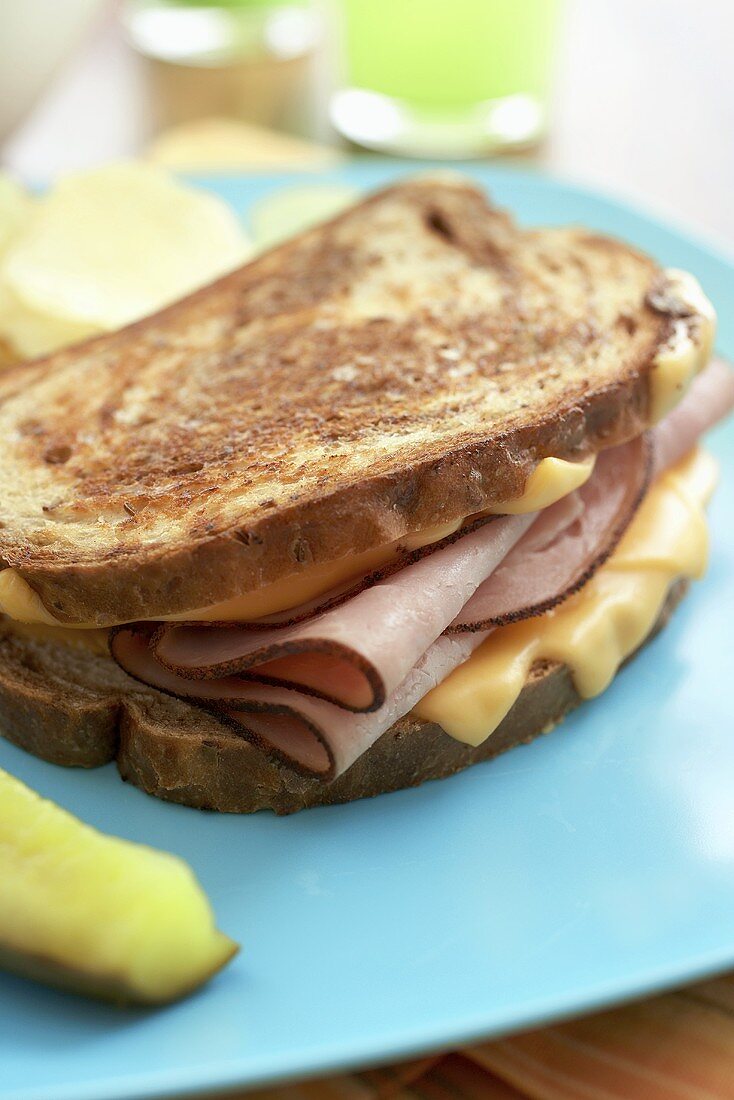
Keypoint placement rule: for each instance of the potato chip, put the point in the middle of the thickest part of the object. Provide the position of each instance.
(107, 247)
(30, 332)
(229, 145)
(15, 208)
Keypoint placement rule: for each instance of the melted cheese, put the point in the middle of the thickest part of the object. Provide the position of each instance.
(551, 479)
(19, 601)
(595, 630)
(687, 351)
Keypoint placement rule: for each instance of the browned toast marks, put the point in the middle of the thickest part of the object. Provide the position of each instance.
(402, 365)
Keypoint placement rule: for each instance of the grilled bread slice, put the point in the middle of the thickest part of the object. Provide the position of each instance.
(74, 707)
(400, 366)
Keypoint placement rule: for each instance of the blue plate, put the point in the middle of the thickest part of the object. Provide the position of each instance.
(593, 865)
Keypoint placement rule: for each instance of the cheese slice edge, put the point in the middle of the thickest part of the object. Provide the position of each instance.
(593, 631)
(551, 479)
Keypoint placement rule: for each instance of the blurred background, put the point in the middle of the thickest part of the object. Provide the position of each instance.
(110, 108)
(632, 96)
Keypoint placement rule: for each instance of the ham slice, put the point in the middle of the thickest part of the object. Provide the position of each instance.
(709, 399)
(311, 735)
(555, 558)
(497, 572)
(378, 654)
(357, 654)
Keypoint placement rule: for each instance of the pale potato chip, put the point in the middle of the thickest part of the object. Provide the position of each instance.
(108, 246)
(15, 208)
(30, 332)
(228, 145)
(290, 210)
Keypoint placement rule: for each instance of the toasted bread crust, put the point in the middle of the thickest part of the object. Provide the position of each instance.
(75, 708)
(406, 364)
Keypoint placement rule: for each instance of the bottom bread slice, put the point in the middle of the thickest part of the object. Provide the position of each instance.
(74, 708)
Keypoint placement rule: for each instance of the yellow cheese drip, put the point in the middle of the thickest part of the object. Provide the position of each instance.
(551, 479)
(688, 350)
(593, 631)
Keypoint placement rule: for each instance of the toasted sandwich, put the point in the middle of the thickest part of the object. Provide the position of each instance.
(381, 504)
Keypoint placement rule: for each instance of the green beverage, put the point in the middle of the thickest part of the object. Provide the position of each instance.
(451, 77)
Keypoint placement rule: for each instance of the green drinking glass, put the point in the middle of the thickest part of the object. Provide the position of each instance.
(445, 78)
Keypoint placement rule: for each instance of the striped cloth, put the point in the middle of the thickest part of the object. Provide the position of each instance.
(674, 1047)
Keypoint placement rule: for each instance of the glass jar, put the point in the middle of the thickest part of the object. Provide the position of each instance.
(247, 59)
